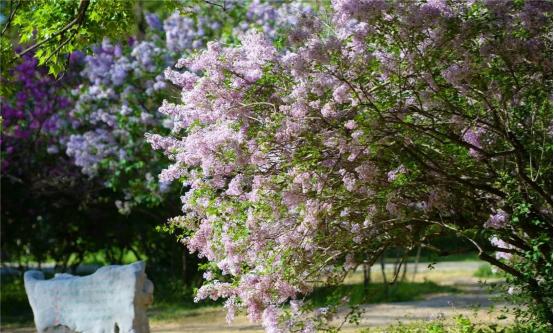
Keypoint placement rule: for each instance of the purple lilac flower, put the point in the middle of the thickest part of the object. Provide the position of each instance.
(495, 241)
(153, 21)
(393, 174)
(35, 110)
(473, 136)
(498, 220)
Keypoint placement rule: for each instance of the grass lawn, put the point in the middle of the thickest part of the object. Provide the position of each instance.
(14, 307)
(458, 324)
(376, 293)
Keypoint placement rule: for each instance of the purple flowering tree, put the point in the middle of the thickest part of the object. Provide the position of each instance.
(123, 85)
(37, 178)
(377, 125)
(50, 210)
(31, 115)
(74, 145)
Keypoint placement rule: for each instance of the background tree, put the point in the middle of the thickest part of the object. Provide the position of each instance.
(74, 148)
(54, 29)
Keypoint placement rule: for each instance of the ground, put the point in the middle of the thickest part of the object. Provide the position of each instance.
(472, 299)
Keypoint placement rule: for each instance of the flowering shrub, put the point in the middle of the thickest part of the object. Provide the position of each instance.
(60, 206)
(31, 121)
(124, 84)
(381, 124)
(36, 176)
(114, 104)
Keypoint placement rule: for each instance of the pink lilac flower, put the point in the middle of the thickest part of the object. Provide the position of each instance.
(235, 186)
(503, 245)
(230, 305)
(351, 124)
(340, 94)
(270, 319)
(498, 220)
(393, 174)
(328, 110)
(473, 137)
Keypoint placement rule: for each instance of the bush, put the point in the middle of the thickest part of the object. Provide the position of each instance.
(485, 271)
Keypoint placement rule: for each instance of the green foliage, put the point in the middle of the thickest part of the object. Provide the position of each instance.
(55, 28)
(376, 292)
(461, 324)
(485, 271)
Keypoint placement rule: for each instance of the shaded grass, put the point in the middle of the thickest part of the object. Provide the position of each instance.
(92, 258)
(440, 276)
(485, 271)
(429, 258)
(14, 306)
(173, 299)
(378, 293)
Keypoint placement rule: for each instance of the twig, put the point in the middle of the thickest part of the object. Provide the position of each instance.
(64, 43)
(216, 4)
(12, 14)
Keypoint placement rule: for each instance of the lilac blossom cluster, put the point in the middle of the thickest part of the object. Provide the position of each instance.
(270, 18)
(33, 118)
(108, 103)
(188, 33)
(114, 106)
(124, 84)
(293, 156)
(502, 245)
(498, 220)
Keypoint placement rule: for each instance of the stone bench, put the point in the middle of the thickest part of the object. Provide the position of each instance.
(113, 299)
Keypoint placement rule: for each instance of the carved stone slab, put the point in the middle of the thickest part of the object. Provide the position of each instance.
(113, 299)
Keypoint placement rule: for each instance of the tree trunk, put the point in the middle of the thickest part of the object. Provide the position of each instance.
(184, 266)
(141, 22)
(404, 271)
(367, 277)
(385, 282)
(418, 254)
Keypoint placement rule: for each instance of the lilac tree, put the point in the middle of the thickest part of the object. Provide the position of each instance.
(50, 211)
(83, 146)
(31, 111)
(36, 176)
(123, 85)
(378, 124)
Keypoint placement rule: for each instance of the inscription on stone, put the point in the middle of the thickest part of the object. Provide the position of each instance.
(113, 299)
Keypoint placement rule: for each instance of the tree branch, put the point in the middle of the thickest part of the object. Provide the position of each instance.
(78, 19)
(216, 4)
(10, 18)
